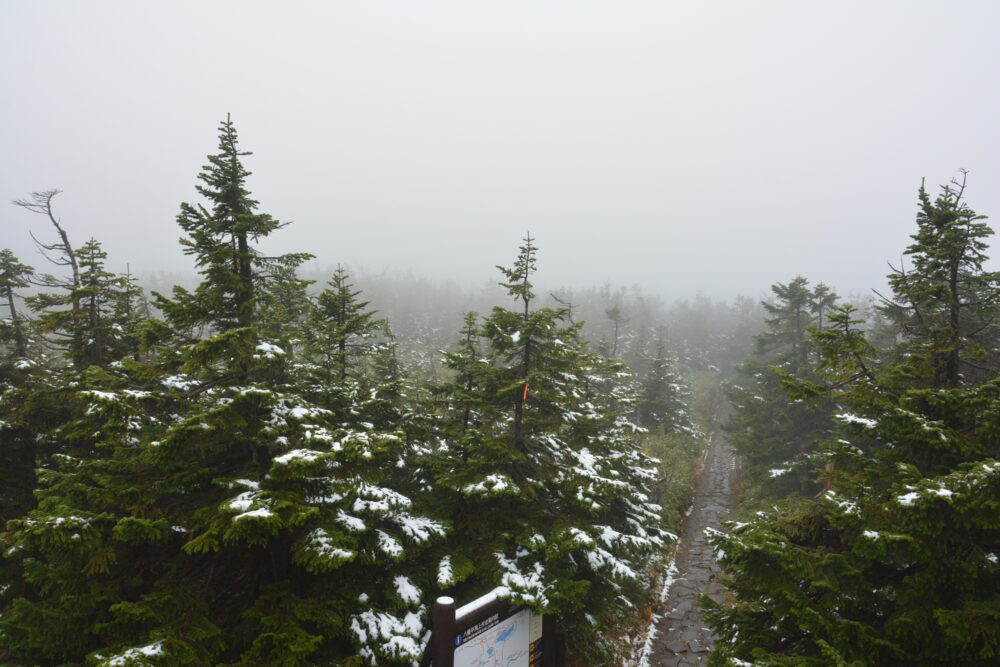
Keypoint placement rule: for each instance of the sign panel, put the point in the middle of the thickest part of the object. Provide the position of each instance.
(510, 640)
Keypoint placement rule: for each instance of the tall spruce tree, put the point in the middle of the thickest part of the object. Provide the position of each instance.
(218, 516)
(66, 329)
(13, 276)
(341, 337)
(946, 304)
(786, 339)
(824, 300)
(543, 479)
(55, 410)
(663, 404)
(777, 438)
(896, 563)
(18, 441)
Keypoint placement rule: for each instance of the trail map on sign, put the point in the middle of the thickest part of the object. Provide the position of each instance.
(505, 644)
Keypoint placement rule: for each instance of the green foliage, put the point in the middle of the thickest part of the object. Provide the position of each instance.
(707, 399)
(945, 305)
(256, 479)
(778, 434)
(13, 276)
(896, 563)
(94, 320)
(197, 507)
(341, 337)
(678, 457)
(541, 473)
(786, 340)
(221, 238)
(663, 397)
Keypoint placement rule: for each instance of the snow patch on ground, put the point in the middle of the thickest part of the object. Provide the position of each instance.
(642, 645)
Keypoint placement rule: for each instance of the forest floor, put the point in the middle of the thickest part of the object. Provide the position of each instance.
(681, 637)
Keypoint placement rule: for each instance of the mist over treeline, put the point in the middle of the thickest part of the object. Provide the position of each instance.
(258, 463)
(263, 458)
(424, 313)
(430, 311)
(703, 332)
(494, 302)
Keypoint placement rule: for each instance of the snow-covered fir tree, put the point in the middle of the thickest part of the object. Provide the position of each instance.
(540, 470)
(251, 477)
(217, 514)
(663, 396)
(897, 562)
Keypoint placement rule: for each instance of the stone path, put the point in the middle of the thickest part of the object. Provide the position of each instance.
(681, 635)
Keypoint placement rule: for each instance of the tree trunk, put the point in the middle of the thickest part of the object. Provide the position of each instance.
(244, 296)
(954, 333)
(19, 342)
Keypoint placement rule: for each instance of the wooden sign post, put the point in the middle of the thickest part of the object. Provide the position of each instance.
(490, 632)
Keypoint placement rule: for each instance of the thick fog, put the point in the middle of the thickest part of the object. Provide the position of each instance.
(682, 147)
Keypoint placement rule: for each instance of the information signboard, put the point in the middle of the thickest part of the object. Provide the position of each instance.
(489, 632)
(512, 641)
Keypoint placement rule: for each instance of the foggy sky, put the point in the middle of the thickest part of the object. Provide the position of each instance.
(698, 146)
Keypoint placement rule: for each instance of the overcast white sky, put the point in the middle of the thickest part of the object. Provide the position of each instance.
(712, 146)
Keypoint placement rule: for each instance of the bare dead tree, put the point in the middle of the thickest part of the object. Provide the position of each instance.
(41, 203)
(60, 253)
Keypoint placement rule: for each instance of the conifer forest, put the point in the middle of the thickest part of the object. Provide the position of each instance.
(260, 469)
(499, 334)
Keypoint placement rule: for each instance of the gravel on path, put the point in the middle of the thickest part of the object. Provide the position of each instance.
(681, 636)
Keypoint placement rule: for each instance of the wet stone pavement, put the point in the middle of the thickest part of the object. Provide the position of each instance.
(681, 635)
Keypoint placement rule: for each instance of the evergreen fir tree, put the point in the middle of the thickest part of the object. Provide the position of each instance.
(51, 426)
(283, 309)
(13, 276)
(466, 397)
(786, 339)
(341, 337)
(548, 491)
(946, 303)
(617, 320)
(236, 276)
(663, 404)
(18, 442)
(824, 300)
(897, 562)
(778, 438)
(63, 336)
(218, 515)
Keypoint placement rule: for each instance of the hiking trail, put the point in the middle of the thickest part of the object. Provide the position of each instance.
(681, 635)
